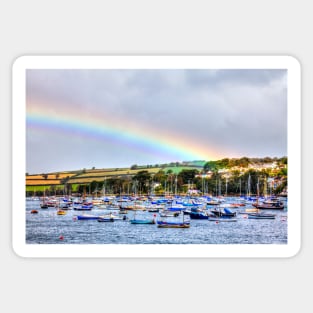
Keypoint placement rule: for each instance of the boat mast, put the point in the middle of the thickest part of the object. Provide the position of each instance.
(219, 188)
(216, 186)
(249, 189)
(258, 193)
(226, 188)
(176, 185)
(104, 183)
(265, 187)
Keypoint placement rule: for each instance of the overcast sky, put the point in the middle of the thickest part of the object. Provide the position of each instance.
(114, 118)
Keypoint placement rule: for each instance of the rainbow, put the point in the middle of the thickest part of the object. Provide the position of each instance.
(110, 130)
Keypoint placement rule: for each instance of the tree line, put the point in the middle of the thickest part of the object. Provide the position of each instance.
(166, 182)
(251, 182)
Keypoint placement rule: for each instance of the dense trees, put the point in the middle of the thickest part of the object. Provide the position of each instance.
(142, 181)
(243, 162)
(226, 163)
(188, 176)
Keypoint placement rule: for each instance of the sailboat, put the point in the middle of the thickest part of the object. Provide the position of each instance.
(225, 215)
(44, 204)
(198, 213)
(60, 211)
(110, 218)
(174, 224)
(135, 220)
(259, 215)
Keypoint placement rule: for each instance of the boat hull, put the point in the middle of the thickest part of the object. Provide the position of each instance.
(217, 219)
(82, 208)
(87, 217)
(269, 206)
(102, 219)
(110, 218)
(223, 214)
(261, 216)
(142, 221)
(172, 225)
(198, 216)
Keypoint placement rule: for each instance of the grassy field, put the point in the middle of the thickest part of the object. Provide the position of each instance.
(178, 169)
(42, 182)
(41, 188)
(87, 176)
(58, 176)
(51, 179)
(115, 173)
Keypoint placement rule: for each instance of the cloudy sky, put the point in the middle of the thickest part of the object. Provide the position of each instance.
(114, 118)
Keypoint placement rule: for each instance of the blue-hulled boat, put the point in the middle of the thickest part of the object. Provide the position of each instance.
(86, 217)
(83, 207)
(198, 214)
(223, 213)
(175, 207)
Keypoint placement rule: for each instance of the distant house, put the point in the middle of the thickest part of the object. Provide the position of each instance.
(193, 192)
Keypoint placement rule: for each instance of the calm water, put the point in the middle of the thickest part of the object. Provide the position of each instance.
(46, 227)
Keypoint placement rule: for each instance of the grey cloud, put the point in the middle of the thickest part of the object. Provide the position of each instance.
(239, 111)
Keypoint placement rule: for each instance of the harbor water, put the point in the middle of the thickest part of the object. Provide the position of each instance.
(46, 227)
